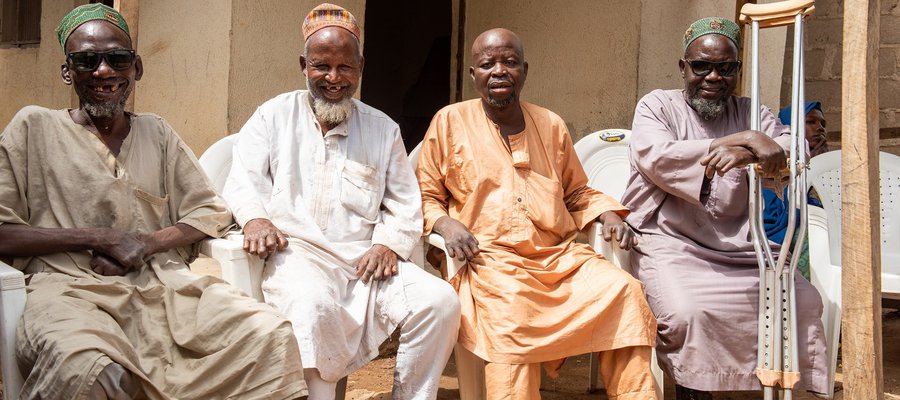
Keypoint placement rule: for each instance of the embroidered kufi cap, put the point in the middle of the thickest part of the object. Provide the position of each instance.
(714, 25)
(85, 13)
(325, 15)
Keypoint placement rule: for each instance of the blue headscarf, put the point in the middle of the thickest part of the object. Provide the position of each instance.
(785, 114)
(775, 216)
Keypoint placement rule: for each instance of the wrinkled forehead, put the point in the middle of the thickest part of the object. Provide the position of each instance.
(500, 50)
(332, 40)
(97, 35)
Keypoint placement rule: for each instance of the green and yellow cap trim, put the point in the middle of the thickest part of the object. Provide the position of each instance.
(715, 25)
(85, 13)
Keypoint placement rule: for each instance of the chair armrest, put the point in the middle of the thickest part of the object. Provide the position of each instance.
(610, 251)
(238, 268)
(819, 253)
(453, 265)
(12, 306)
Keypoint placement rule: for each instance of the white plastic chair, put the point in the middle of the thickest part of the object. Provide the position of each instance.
(825, 240)
(600, 158)
(238, 268)
(12, 306)
(826, 278)
(604, 157)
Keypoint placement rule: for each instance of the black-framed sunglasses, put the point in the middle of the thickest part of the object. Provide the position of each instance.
(704, 68)
(87, 61)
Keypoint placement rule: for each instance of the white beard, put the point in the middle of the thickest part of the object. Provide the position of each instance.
(332, 113)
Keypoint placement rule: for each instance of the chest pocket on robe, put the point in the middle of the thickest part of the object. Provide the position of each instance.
(728, 195)
(545, 204)
(359, 189)
(154, 209)
(462, 178)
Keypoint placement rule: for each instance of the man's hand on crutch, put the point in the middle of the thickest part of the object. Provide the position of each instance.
(740, 149)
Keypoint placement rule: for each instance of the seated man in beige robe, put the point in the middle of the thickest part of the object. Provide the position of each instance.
(100, 208)
(501, 183)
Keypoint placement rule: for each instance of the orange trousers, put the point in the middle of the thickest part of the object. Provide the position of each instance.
(625, 372)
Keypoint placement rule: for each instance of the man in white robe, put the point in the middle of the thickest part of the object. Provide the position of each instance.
(322, 187)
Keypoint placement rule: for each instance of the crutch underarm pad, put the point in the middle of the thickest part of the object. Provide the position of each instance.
(776, 14)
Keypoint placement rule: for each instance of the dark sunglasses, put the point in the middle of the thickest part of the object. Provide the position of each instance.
(87, 61)
(704, 68)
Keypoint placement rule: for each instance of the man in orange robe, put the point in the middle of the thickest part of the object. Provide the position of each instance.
(502, 184)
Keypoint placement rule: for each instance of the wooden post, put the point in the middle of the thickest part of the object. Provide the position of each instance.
(130, 10)
(861, 251)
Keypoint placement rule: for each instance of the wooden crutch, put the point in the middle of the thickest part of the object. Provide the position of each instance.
(778, 364)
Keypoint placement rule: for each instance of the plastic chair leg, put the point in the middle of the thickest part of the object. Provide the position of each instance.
(658, 376)
(594, 373)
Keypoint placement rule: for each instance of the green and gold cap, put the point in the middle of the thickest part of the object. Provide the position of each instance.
(85, 13)
(716, 25)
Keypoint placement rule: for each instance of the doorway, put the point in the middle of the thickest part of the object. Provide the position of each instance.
(407, 72)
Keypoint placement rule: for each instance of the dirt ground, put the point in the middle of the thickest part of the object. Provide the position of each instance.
(373, 382)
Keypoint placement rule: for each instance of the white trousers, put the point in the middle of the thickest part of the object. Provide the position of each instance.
(338, 321)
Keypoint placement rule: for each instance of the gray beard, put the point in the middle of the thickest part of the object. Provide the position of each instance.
(708, 109)
(108, 109)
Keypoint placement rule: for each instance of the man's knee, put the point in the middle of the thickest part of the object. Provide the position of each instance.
(629, 286)
(51, 324)
(678, 314)
(269, 326)
(436, 299)
(315, 301)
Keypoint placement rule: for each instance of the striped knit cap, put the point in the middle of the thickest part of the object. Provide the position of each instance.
(325, 15)
(85, 13)
(716, 25)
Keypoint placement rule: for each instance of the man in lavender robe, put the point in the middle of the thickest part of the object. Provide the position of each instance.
(688, 193)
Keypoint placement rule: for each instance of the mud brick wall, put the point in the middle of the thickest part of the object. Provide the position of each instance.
(823, 47)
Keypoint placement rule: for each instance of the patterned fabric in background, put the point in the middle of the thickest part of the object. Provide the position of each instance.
(775, 220)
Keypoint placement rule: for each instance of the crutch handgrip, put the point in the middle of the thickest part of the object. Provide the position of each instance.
(770, 377)
(782, 174)
(776, 14)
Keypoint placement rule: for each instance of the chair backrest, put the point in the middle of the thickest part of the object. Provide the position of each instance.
(414, 156)
(604, 156)
(825, 177)
(216, 161)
